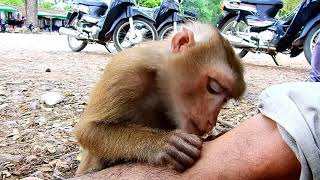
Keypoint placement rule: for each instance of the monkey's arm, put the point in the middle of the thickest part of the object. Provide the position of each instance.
(115, 141)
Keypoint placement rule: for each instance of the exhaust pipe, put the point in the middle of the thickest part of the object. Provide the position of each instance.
(72, 33)
(238, 42)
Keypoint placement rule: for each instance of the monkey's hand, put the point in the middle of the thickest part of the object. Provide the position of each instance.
(181, 151)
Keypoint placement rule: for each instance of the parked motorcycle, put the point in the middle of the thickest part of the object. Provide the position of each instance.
(94, 21)
(250, 26)
(167, 16)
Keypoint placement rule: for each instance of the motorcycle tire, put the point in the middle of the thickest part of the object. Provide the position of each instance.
(165, 31)
(76, 48)
(307, 45)
(135, 19)
(222, 26)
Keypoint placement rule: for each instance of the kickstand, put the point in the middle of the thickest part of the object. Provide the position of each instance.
(106, 46)
(274, 59)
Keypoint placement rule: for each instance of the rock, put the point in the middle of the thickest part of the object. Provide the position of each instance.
(63, 166)
(56, 125)
(15, 83)
(46, 168)
(52, 98)
(37, 149)
(3, 145)
(50, 148)
(57, 175)
(31, 158)
(3, 93)
(31, 178)
(5, 174)
(37, 174)
(33, 105)
(3, 106)
(61, 149)
(41, 121)
(10, 124)
(15, 134)
(10, 158)
(48, 70)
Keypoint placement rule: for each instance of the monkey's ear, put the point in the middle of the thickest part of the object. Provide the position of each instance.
(182, 40)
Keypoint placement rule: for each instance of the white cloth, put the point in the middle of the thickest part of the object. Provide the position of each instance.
(295, 107)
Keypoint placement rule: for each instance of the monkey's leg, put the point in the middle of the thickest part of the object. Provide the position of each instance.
(89, 163)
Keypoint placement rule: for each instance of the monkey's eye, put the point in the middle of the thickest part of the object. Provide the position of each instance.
(214, 87)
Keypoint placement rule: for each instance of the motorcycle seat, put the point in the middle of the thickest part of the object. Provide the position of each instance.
(264, 2)
(93, 3)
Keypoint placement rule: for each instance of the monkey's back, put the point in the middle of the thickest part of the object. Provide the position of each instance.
(128, 79)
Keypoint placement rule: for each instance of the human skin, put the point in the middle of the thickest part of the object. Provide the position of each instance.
(253, 150)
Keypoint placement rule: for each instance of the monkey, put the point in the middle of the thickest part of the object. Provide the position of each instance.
(153, 102)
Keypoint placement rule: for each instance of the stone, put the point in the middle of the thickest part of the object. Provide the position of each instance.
(37, 149)
(3, 93)
(15, 83)
(31, 178)
(37, 174)
(5, 174)
(50, 148)
(52, 98)
(46, 168)
(10, 158)
(3, 106)
(48, 70)
(62, 166)
(33, 105)
(41, 121)
(31, 158)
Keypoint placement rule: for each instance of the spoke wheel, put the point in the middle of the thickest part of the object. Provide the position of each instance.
(227, 28)
(124, 38)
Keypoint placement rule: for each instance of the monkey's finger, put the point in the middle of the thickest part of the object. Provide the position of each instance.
(180, 156)
(186, 148)
(192, 139)
(173, 163)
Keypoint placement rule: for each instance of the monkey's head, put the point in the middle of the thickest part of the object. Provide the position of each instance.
(202, 74)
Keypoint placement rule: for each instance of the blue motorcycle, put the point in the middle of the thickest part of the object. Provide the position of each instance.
(167, 16)
(250, 25)
(95, 21)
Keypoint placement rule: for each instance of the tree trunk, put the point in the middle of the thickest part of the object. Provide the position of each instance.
(31, 7)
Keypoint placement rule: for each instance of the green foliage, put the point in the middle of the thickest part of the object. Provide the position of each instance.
(67, 8)
(46, 5)
(12, 2)
(149, 3)
(208, 10)
(289, 6)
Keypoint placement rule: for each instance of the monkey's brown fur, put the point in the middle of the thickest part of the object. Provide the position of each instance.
(132, 109)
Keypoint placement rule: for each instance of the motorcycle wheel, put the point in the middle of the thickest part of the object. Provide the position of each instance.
(225, 27)
(165, 31)
(75, 44)
(120, 34)
(310, 42)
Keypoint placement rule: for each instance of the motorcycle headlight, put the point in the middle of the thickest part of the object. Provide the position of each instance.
(84, 8)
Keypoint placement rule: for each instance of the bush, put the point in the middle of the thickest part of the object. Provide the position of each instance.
(289, 6)
(12, 2)
(46, 5)
(149, 3)
(208, 10)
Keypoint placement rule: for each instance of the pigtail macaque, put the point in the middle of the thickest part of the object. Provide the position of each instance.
(154, 101)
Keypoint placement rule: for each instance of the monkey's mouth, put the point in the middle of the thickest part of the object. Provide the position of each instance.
(196, 129)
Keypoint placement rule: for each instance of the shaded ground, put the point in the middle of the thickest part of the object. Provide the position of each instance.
(36, 138)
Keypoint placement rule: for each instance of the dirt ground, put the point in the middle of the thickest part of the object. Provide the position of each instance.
(36, 139)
